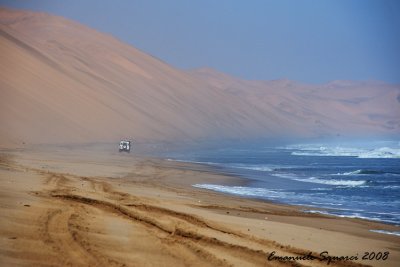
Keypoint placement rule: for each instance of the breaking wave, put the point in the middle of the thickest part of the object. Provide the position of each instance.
(386, 232)
(335, 182)
(323, 181)
(366, 172)
(338, 151)
(262, 168)
(243, 191)
(356, 215)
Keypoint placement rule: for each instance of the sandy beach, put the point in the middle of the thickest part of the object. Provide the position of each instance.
(85, 207)
(204, 73)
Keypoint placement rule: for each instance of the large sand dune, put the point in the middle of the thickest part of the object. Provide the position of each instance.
(63, 82)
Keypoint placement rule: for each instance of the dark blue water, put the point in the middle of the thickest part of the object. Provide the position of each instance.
(347, 182)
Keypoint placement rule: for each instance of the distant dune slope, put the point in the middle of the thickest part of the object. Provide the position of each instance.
(63, 82)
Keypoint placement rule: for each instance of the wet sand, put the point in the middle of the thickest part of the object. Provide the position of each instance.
(87, 207)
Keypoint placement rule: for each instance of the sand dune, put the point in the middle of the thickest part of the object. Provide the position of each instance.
(63, 82)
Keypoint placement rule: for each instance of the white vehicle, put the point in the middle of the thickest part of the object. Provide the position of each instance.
(125, 146)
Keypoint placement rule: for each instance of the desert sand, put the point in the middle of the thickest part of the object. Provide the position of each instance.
(81, 205)
(61, 81)
(70, 206)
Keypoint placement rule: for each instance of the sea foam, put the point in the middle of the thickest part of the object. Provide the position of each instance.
(335, 182)
(386, 232)
(322, 181)
(243, 190)
(340, 151)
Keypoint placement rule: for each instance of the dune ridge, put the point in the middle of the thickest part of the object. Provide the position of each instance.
(63, 82)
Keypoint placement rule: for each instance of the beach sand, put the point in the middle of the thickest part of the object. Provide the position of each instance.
(85, 207)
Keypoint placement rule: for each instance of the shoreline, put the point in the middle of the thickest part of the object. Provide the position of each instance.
(103, 196)
(246, 181)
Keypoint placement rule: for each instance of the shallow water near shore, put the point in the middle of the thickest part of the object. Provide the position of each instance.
(355, 182)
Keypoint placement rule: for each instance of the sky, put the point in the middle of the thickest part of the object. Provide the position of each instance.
(302, 40)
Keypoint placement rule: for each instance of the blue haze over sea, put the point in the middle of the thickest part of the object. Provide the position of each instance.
(353, 181)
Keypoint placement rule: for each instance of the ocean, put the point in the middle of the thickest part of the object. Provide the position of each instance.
(355, 181)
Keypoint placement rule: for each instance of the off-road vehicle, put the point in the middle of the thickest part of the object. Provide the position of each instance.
(125, 146)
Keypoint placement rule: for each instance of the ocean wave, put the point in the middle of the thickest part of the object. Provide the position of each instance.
(334, 207)
(354, 215)
(324, 203)
(385, 213)
(386, 232)
(383, 152)
(315, 180)
(263, 167)
(391, 187)
(286, 176)
(243, 190)
(363, 172)
(254, 167)
(350, 173)
(338, 151)
(321, 189)
(335, 182)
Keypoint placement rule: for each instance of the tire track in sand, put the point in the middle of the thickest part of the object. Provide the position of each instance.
(58, 233)
(214, 249)
(209, 243)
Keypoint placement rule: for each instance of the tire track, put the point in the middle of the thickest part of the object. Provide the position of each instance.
(196, 221)
(194, 241)
(65, 231)
(58, 233)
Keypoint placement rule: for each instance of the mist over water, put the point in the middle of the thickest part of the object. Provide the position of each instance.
(348, 179)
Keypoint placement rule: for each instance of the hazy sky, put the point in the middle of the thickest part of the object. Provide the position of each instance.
(303, 40)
